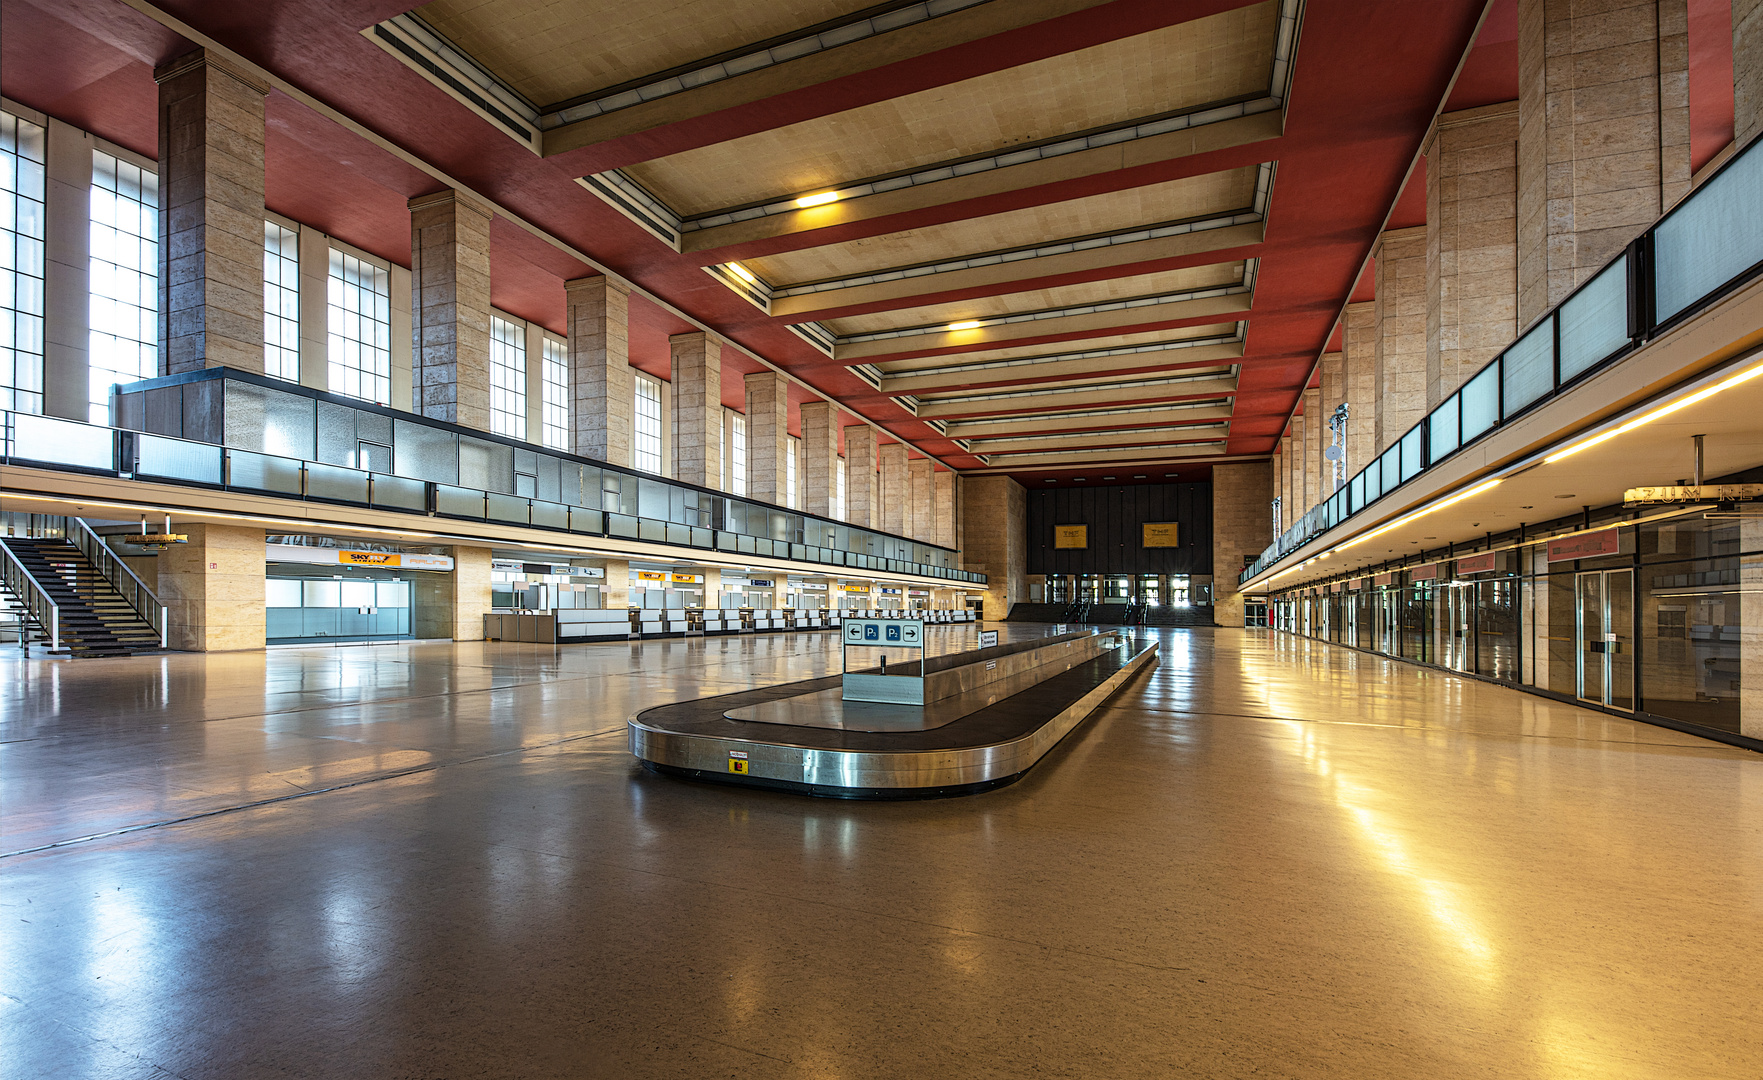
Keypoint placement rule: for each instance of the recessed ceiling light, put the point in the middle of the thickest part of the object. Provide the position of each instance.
(1567, 496)
(1140, 476)
(1167, 475)
(1108, 478)
(1049, 481)
(969, 324)
(743, 273)
(817, 200)
(1077, 478)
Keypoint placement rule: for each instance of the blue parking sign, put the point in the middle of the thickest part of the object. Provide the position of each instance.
(893, 633)
(872, 633)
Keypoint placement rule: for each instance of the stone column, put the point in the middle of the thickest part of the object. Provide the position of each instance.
(998, 540)
(210, 216)
(212, 588)
(860, 493)
(947, 500)
(1300, 465)
(535, 383)
(1401, 334)
(67, 289)
(712, 586)
(315, 314)
(598, 314)
(1334, 395)
(1315, 438)
(615, 589)
(768, 435)
(1287, 515)
(895, 494)
(921, 486)
(450, 308)
(697, 408)
(1603, 138)
(471, 592)
(1747, 68)
(1359, 367)
(1471, 245)
(819, 467)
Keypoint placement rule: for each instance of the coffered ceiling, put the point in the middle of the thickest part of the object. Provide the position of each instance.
(1048, 238)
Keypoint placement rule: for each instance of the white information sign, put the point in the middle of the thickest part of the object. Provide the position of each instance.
(906, 633)
(988, 638)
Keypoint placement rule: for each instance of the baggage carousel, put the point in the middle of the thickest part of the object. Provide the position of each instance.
(990, 715)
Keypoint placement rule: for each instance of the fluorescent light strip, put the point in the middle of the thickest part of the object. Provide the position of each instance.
(1055, 358)
(1659, 413)
(959, 398)
(1089, 414)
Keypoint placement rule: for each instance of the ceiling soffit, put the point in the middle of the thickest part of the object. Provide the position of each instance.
(1177, 69)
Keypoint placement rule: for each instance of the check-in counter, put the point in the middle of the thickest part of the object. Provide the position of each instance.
(613, 624)
(520, 626)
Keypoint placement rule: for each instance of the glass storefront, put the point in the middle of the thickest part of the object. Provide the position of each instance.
(1656, 626)
(365, 606)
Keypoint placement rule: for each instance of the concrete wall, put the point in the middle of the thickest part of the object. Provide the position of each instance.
(1241, 530)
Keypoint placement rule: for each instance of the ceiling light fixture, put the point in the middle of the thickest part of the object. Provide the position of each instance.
(817, 200)
(969, 324)
(743, 273)
(1662, 411)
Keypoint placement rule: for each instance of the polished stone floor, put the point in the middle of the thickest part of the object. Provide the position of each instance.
(1268, 857)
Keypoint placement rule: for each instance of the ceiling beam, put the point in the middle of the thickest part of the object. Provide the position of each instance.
(1229, 243)
(994, 448)
(948, 49)
(793, 230)
(956, 406)
(1091, 323)
(1107, 457)
(1028, 425)
(976, 376)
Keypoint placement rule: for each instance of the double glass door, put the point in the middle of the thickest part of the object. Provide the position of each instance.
(1604, 633)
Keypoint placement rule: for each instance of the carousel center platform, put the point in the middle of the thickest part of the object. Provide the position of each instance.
(989, 715)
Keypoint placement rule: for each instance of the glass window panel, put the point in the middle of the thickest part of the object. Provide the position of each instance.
(22, 191)
(1713, 236)
(1529, 367)
(738, 452)
(281, 302)
(1594, 321)
(177, 459)
(507, 377)
(392, 594)
(1441, 429)
(359, 346)
(646, 444)
(425, 453)
(281, 592)
(1410, 447)
(357, 593)
(1480, 400)
(321, 593)
(123, 280)
(554, 412)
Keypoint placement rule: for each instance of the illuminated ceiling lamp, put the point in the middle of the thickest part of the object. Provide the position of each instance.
(820, 199)
(967, 324)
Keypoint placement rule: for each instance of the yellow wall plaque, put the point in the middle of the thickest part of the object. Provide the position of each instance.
(1071, 536)
(1160, 534)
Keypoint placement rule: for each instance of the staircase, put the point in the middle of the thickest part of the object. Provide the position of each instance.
(94, 618)
(1167, 615)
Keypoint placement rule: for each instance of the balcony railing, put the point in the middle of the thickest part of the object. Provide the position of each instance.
(518, 485)
(1708, 245)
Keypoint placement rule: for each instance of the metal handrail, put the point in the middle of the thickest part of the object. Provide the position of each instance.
(37, 603)
(134, 590)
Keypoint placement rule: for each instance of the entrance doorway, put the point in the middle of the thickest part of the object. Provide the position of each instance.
(1604, 634)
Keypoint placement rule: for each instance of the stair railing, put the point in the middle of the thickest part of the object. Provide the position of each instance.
(117, 572)
(37, 603)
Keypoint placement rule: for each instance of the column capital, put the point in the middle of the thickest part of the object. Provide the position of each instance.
(199, 58)
(451, 197)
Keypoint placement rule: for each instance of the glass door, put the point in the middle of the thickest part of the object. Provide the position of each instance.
(1604, 629)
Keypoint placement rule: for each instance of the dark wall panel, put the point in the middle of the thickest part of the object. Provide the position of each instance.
(1114, 516)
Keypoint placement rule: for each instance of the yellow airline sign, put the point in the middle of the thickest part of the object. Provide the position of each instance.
(1160, 534)
(1071, 536)
(367, 558)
